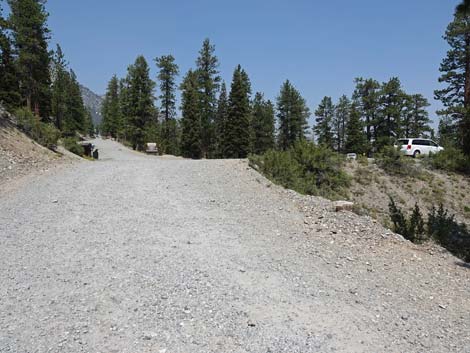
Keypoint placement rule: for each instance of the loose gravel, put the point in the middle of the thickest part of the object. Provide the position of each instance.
(138, 253)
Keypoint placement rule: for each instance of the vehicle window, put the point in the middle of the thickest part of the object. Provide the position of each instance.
(421, 142)
(433, 144)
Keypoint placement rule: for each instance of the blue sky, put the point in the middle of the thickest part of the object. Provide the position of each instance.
(321, 46)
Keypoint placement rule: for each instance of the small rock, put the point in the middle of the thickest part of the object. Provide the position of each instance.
(343, 206)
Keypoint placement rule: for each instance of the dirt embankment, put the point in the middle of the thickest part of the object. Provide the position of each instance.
(372, 188)
(20, 155)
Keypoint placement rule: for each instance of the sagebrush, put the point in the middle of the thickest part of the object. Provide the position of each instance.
(306, 168)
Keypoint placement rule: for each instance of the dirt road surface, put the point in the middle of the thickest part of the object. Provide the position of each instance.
(138, 253)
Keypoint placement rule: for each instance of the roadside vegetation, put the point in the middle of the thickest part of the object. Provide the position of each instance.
(306, 168)
(36, 84)
(440, 227)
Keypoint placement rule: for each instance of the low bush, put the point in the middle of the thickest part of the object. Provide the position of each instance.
(71, 144)
(451, 159)
(394, 162)
(43, 133)
(306, 168)
(452, 235)
(440, 226)
(413, 228)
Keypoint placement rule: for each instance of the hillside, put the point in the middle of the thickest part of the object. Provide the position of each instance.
(93, 103)
(20, 155)
(372, 187)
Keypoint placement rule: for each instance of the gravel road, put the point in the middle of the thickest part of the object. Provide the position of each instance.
(137, 253)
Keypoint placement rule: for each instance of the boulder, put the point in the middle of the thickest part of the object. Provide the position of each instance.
(343, 206)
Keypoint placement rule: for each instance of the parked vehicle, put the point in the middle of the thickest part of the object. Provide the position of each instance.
(418, 146)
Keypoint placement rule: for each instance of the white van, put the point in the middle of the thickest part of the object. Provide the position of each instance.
(415, 147)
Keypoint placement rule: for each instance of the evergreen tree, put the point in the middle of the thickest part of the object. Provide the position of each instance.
(447, 132)
(340, 121)
(263, 124)
(168, 71)
(455, 70)
(292, 112)
(209, 81)
(356, 139)
(324, 122)
(124, 108)
(9, 88)
(30, 35)
(392, 103)
(238, 133)
(416, 118)
(191, 139)
(111, 110)
(463, 8)
(88, 128)
(366, 98)
(140, 107)
(221, 118)
(75, 117)
(60, 84)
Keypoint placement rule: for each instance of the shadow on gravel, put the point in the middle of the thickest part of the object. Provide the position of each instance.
(463, 264)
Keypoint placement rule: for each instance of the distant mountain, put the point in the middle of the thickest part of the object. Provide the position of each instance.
(93, 103)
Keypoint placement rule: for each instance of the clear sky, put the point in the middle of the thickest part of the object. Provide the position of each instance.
(321, 46)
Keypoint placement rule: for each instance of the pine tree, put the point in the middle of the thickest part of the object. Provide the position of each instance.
(263, 124)
(292, 112)
(389, 120)
(88, 127)
(60, 83)
(356, 139)
(124, 108)
(238, 133)
(340, 120)
(463, 8)
(75, 117)
(191, 139)
(416, 120)
(111, 111)
(140, 109)
(324, 122)
(455, 70)
(168, 71)
(209, 81)
(447, 132)
(366, 98)
(30, 35)
(9, 88)
(221, 121)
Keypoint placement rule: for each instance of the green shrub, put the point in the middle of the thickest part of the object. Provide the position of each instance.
(71, 144)
(307, 169)
(412, 229)
(451, 159)
(394, 162)
(440, 226)
(450, 234)
(43, 133)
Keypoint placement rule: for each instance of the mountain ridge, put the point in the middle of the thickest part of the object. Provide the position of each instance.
(93, 102)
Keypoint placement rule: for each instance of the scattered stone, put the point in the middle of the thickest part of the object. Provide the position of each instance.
(343, 206)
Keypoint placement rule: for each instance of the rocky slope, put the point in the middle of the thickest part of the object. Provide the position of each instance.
(93, 103)
(20, 155)
(372, 187)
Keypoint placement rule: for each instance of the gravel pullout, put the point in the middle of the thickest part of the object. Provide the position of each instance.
(136, 253)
